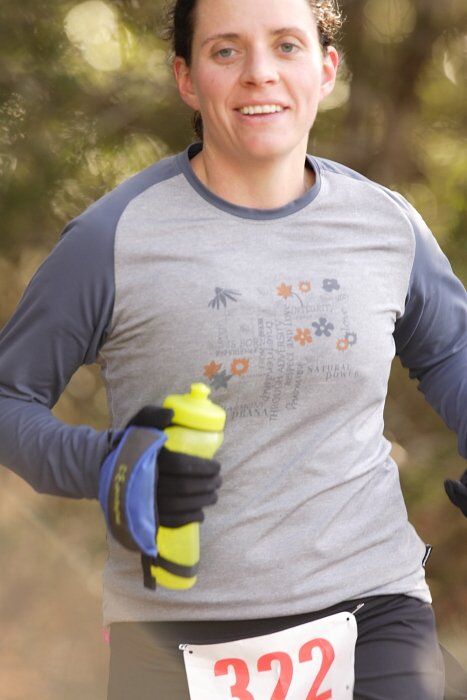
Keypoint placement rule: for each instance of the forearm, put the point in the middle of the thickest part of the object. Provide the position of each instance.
(445, 388)
(53, 457)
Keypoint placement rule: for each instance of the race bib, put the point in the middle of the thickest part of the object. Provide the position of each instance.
(313, 661)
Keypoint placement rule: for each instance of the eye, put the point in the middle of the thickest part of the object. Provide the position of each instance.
(290, 46)
(228, 52)
(222, 53)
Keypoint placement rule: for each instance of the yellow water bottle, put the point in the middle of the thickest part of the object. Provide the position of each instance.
(197, 429)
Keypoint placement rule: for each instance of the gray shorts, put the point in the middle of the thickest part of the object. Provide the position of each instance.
(397, 653)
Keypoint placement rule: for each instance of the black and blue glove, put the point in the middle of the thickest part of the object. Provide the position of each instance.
(457, 492)
(143, 485)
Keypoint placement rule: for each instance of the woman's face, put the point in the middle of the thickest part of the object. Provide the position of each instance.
(272, 56)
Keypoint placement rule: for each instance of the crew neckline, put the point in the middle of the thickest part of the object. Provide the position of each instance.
(246, 212)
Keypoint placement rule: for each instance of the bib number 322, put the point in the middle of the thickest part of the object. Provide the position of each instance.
(313, 661)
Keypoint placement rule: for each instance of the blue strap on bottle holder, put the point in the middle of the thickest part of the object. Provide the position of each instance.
(127, 489)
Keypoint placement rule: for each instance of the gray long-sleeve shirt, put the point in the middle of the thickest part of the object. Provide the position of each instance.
(293, 317)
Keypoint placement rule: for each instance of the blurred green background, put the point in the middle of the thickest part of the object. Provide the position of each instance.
(87, 99)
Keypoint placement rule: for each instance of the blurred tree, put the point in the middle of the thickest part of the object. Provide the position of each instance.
(86, 99)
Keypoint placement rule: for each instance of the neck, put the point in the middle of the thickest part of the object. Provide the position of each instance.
(258, 184)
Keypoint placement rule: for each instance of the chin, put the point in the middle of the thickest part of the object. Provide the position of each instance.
(267, 147)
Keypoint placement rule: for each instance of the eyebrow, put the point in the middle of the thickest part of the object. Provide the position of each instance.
(273, 32)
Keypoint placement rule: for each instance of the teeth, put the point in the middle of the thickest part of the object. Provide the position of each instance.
(261, 109)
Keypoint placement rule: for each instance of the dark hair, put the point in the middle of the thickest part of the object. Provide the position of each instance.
(180, 27)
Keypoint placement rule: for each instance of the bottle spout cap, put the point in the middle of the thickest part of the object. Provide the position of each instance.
(200, 391)
(196, 410)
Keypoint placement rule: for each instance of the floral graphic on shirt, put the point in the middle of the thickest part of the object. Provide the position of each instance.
(221, 296)
(342, 344)
(239, 366)
(323, 327)
(285, 291)
(303, 336)
(274, 349)
(330, 284)
(220, 380)
(345, 342)
(211, 369)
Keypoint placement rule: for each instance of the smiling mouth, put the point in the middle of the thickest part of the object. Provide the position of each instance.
(262, 114)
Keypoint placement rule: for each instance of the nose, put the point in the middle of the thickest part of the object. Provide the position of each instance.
(260, 67)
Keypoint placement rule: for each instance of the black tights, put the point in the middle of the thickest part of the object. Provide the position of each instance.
(397, 653)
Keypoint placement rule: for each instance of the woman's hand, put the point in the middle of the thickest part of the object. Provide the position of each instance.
(185, 484)
(457, 492)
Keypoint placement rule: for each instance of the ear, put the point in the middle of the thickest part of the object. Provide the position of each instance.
(329, 72)
(184, 82)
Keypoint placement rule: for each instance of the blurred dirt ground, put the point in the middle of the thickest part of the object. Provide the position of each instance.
(52, 552)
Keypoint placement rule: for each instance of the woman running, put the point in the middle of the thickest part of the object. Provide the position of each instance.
(287, 283)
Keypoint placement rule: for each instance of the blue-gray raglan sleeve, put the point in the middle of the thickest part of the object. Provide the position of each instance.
(59, 325)
(61, 322)
(431, 334)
